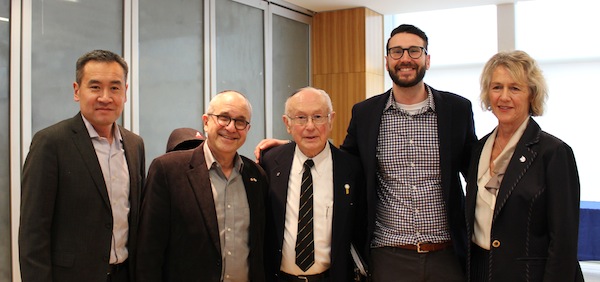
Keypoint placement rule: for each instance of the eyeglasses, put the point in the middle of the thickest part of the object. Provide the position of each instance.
(316, 119)
(414, 52)
(224, 121)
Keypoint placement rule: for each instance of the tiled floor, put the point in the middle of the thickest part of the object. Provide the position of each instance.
(591, 270)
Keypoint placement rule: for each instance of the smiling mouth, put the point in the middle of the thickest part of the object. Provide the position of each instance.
(229, 137)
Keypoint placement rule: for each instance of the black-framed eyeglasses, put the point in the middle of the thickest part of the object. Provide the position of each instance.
(224, 121)
(316, 119)
(414, 52)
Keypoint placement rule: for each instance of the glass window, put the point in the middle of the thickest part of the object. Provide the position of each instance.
(171, 70)
(556, 30)
(456, 36)
(291, 42)
(61, 32)
(563, 41)
(240, 61)
(460, 42)
(5, 259)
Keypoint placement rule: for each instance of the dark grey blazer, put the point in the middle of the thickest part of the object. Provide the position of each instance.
(179, 234)
(536, 218)
(456, 133)
(348, 209)
(66, 219)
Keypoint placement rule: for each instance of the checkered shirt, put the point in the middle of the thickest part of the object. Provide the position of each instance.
(411, 207)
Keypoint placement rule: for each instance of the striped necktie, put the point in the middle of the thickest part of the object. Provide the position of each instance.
(305, 243)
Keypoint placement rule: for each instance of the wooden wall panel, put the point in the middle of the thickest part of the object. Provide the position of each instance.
(347, 60)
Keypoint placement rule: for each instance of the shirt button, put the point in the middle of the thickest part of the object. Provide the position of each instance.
(228, 229)
(229, 252)
(228, 206)
(411, 141)
(412, 164)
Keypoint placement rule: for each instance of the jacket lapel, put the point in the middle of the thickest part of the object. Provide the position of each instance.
(200, 183)
(520, 162)
(83, 143)
(279, 176)
(444, 129)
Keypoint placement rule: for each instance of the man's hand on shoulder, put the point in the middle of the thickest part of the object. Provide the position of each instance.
(266, 144)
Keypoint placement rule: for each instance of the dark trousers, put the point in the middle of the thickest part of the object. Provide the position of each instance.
(479, 268)
(118, 273)
(390, 264)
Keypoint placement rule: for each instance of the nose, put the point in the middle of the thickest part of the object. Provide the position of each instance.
(310, 123)
(104, 96)
(231, 126)
(504, 94)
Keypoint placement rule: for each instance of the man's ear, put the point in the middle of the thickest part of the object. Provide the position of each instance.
(76, 91)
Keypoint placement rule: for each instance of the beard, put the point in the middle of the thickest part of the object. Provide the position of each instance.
(410, 83)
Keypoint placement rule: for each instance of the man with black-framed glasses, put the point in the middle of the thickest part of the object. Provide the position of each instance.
(413, 141)
(203, 214)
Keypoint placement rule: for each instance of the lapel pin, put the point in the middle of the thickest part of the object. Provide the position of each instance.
(522, 159)
(253, 179)
(347, 189)
(278, 173)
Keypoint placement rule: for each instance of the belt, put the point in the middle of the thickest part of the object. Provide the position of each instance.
(303, 278)
(114, 268)
(423, 247)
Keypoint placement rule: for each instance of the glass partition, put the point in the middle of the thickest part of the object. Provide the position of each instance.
(61, 32)
(171, 70)
(240, 61)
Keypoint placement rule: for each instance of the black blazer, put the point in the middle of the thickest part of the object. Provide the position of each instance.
(456, 135)
(347, 214)
(179, 234)
(536, 218)
(66, 217)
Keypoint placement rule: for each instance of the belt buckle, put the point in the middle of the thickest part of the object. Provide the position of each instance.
(419, 248)
(304, 278)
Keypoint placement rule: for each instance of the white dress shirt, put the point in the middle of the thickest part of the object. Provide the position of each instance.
(322, 176)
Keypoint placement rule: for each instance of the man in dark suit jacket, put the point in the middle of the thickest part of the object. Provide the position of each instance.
(81, 185)
(338, 184)
(413, 141)
(203, 210)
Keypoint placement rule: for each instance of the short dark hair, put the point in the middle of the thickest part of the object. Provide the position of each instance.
(99, 56)
(408, 28)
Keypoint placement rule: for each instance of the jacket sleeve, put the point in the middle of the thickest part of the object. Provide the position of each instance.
(38, 193)
(153, 231)
(562, 180)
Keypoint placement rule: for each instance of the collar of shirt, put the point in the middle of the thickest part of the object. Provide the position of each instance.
(318, 159)
(391, 103)
(94, 134)
(210, 159)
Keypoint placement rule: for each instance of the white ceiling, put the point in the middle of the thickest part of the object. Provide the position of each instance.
(391, 7)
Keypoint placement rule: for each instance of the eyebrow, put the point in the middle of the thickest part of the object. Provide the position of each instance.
(92, 81)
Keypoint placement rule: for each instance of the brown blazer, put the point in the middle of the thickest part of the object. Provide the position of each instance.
(179, 233)
(66, 218)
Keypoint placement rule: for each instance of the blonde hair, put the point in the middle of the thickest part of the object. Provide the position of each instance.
(523, 69)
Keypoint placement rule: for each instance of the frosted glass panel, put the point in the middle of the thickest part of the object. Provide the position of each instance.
(291, 42)
(171, 70)
(62, 31)
(5, 262)
(240, 61)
